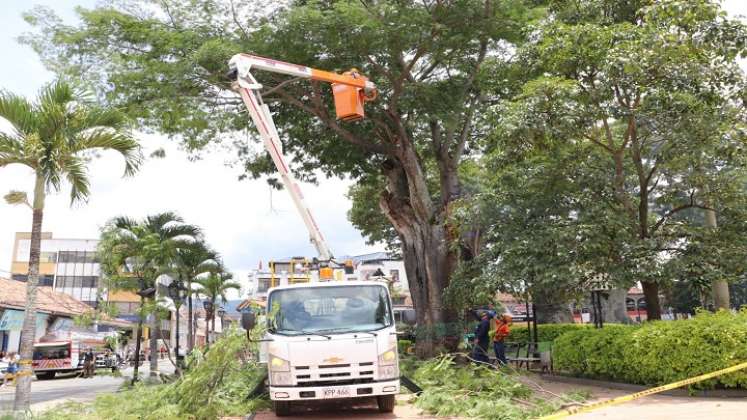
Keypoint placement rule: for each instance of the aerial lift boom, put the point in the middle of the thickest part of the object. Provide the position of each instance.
(350, 91)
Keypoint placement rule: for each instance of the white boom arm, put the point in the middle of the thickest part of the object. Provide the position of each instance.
(249, 90)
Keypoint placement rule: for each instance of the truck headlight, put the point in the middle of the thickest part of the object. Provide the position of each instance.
(276, 364)
(281, 379)
(388, 364)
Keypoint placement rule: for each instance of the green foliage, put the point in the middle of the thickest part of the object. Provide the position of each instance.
(56, 136)
(545, 332)
(216, 385)
(476, 392)
(658, 352)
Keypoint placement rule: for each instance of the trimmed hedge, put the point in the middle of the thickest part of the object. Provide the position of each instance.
(545, 332)
(659, 352)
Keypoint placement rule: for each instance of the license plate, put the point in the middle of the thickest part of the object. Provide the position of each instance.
(335, 392)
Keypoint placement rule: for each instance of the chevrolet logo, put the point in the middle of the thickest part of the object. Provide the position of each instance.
(333, 360)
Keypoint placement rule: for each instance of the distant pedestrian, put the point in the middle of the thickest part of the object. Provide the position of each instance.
(480, 350)
(89, 363)
(502, 331)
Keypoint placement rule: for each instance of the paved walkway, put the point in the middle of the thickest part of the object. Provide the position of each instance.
(662, 407)
(654, 407)
(70, 387)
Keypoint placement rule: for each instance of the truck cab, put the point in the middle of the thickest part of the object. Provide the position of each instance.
(331, 340)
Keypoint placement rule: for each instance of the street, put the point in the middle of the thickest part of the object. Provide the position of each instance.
(70, 387)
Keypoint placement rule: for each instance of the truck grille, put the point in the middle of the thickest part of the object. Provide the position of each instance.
(337, 374)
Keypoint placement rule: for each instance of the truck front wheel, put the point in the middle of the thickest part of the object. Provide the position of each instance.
(386, 403)
(281, 408)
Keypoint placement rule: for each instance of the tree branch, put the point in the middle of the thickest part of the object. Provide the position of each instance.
(678, 209)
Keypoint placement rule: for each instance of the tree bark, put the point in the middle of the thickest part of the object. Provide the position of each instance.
(550, 310)
(138, 334)
(720, 288)
(614, 308)
(28, 332)
(190, 323)
(153, 344)
(429, 260)
(653, 306)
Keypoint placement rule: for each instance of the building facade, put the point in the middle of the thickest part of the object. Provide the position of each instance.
(375, 266)
(70, 266)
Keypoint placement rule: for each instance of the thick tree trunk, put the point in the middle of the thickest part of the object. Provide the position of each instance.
(549, 309)
(426, 263)
(653, 306)
(28, 333)
(613, 306)
(429, 260)
(720, 288)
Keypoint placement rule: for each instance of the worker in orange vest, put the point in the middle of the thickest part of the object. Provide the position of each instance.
(501, 332)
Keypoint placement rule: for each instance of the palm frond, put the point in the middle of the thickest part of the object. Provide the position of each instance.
(74, 168)
(108, 138)
(19, 112)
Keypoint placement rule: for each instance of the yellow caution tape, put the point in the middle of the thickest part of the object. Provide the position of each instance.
(625, 398)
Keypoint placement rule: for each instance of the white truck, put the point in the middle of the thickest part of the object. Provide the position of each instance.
(61, 352)
(325, 339)
(330, 340)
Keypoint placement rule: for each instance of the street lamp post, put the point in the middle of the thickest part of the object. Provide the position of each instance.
(221, 313)
(177, 293)
(208, 305)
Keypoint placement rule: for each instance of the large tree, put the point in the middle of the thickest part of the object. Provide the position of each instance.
(55, 137)
(654, 85)
(437, 65)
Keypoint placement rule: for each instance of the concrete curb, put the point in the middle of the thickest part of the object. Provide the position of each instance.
(711, 393)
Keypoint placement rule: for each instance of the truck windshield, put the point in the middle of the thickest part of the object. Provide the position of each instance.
(51, 352)
(329, 310)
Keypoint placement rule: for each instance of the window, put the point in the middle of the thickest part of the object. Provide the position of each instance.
(77, 281)
(77, 257)
(48, 257)
(20, 277)
(46, 280)
(333, 309)
(51, 352)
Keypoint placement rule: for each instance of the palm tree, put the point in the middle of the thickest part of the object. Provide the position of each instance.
(135, 253)
(54, 138)
(192, 262)
(214, 287)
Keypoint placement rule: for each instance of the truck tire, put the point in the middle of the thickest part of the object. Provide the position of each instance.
(386, 403)
(44, 375)
(281, 408)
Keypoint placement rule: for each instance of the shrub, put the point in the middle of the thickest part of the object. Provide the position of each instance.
(545, 332)
(658, 352)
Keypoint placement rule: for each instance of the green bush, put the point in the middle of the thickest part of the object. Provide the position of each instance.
(545, 332)
(659, 352)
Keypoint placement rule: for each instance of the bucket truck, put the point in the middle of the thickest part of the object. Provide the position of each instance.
(324, 340)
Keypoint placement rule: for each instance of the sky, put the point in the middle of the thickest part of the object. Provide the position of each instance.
(238, 217)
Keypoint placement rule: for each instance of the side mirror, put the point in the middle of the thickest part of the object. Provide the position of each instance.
(248, 320)
(409, 317)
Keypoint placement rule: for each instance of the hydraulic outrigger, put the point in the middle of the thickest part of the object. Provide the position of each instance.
(350, 89)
